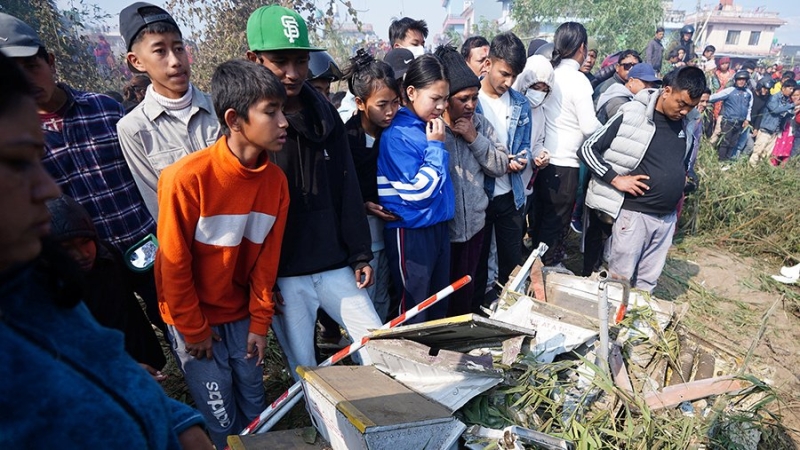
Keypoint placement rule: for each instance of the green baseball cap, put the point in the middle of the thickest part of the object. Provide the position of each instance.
(274, 27)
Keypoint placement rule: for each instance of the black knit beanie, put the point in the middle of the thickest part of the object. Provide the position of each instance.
(458, 72)
(69, 220)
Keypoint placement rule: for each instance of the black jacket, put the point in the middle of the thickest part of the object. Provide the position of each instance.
(364, 158)
(757, 113)
(110, 297)
(326, 227)
(107, 289)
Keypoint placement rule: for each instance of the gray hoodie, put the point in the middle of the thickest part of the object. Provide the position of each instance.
(609, 101)
(468, 165)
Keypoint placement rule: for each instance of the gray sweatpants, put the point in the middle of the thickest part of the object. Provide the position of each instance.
(639, 246)
(228, 389)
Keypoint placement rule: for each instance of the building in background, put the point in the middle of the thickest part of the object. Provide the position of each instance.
(673, 19)
(736, 32)
(464, 15)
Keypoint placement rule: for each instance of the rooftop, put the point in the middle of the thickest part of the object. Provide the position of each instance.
(736, 15)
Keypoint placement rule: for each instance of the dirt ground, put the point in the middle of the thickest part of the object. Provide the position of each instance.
(729, 299)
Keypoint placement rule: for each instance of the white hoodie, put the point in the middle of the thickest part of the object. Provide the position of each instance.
(537, 69)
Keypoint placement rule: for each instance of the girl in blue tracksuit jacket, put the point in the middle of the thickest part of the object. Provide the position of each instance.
(414, 185)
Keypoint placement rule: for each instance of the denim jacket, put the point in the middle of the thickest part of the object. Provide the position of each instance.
(519, 139)
(778, 107)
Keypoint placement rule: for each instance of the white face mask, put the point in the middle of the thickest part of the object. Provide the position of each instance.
(535, 97)
(416, 50)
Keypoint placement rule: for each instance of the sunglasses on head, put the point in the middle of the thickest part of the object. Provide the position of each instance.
(627, 66)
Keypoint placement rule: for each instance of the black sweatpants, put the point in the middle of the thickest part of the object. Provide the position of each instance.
(730, 131)
(554, 191)
(595, 235)
(507, 223)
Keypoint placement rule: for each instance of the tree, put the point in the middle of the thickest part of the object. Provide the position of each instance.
(617, 25)
(218, 28)
(60, 34)
(486, 28)
(453, 37)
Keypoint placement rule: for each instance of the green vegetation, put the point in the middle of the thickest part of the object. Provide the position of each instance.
(753, 211)
(616, 25)
(573, 399)
(60, 31)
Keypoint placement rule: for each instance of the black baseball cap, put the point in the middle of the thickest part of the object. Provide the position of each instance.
(399, 59)
(139, 15)
(17, 38)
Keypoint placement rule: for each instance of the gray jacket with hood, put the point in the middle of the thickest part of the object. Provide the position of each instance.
(611, 100)
(625, 153)
(469, 163)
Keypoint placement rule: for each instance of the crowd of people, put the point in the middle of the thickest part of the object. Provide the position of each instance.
(275, 209)
(755, 106)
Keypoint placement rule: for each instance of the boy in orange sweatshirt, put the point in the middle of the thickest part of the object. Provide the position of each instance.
(222, 214)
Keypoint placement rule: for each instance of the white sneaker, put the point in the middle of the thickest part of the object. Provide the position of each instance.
(791, 272)
(785, 280)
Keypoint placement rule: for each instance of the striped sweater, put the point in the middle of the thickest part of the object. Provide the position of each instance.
(220, 227)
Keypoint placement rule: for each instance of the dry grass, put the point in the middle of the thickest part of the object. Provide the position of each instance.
(749, 210)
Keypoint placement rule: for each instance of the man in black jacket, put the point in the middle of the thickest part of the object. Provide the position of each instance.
(326, 247)
(627, 59)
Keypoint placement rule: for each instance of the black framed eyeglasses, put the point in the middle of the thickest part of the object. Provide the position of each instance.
(627, 66)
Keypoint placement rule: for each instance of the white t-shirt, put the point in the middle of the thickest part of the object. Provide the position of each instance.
(498, 112)
(348, 107)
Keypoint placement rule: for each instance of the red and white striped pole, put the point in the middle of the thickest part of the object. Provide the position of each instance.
(277, 409)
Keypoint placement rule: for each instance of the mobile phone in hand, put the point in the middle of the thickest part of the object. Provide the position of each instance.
(391, 213)
(521, 155)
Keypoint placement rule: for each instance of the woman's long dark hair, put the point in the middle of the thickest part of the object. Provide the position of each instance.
(567, 41)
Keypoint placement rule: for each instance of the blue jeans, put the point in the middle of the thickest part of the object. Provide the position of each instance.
(744, 147)
(336, 293)
(227, 389)
(795, 146)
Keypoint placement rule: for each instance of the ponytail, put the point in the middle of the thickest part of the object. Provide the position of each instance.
(555, 60)
(568, 39)
(365, 74)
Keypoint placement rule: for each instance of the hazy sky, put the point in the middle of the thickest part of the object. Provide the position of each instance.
(380, 12)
